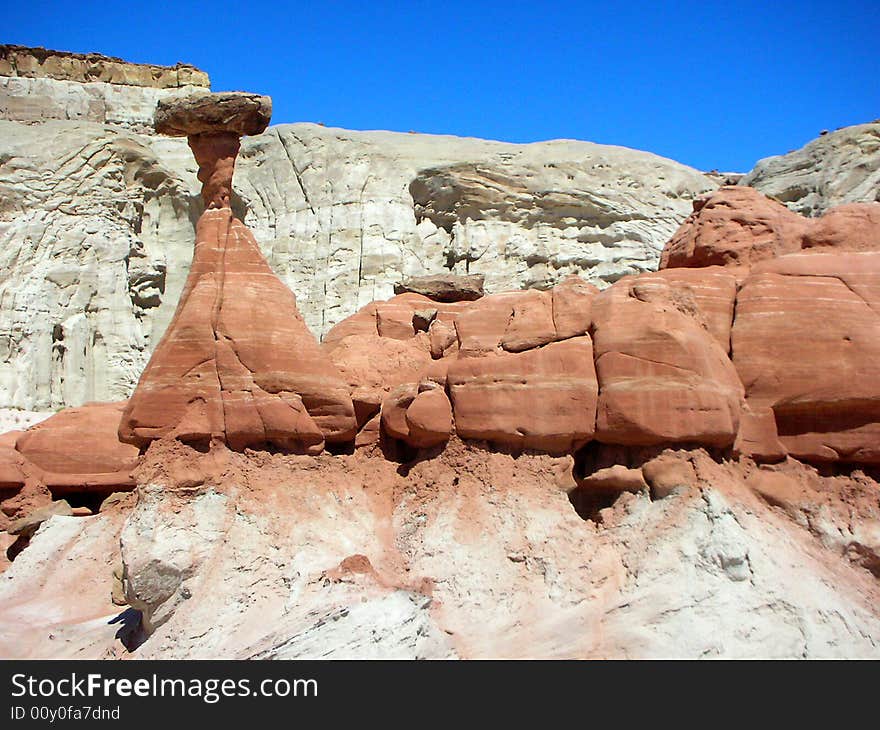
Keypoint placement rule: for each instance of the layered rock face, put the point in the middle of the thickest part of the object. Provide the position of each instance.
(37, 84)
(237, 364)
(839, 167)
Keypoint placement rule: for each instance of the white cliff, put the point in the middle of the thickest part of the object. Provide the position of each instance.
(838, 167)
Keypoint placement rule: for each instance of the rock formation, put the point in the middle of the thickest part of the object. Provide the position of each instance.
(842, 166)
(679, 462)
(37, 84)
(237, 364)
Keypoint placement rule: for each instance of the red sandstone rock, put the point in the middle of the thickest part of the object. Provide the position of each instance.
(572, 307)
(662, 377)
(394, 408)
(850, 227)
(713, 289)
(370, 433)
(668, 473)
(531, 322)
(757, 437)
(488, 324)
(362, 322)
(616, 478)
(734, 226)
(372, 366)
(443, 339)
(806, 343)
(429, 419)
(539, 399)
(12, 472)
(79, 448)
(237, 362)
(216, 155)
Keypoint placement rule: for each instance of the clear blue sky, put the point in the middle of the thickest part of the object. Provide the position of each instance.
(712, 84)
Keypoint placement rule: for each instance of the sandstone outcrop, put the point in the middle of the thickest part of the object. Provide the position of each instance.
(36, 63)
(37, 84)
(842, 166)
(79, 449)
(738, 227)
(633, 472)
(662, 377)
(237, 363)
(806, 343)
(733, 226)
(542, 399)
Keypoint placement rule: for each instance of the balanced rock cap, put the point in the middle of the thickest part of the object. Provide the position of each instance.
(236, 112)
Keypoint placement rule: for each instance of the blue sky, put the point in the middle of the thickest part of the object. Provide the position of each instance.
(712, 84)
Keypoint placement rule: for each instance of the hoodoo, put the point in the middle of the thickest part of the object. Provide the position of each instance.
(237, 364)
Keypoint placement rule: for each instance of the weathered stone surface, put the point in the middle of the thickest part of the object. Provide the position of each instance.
(572, 304)
(839, 167)
(394, 407)
(372, 366)
(12, 468)
(80, 440)
(28, 525)
(712, 290)
(37, 85)
(806, 343)
(711, 571)
(429, 419)
(27, 62)
(444, 287)
(849, 227)
(98, 233)
(667, 474)
(733, 226)
(237, 362)
(662, 377)
(235, 112)
(616, 478)
(539, 399)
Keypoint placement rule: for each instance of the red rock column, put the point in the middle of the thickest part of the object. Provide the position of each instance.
(216, 155)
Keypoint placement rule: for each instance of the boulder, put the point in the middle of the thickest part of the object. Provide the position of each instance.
(616, 478)
(80, 447)
(394, 407)
(513, 321)
(542, 399)
(372, 366)
(733, 226)
(713, 291)
(236, 112)
(667, 473)
(429, 419)
(662, 377)
(26, 526)
(444, 287)
(531, 322)
(806, 343)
